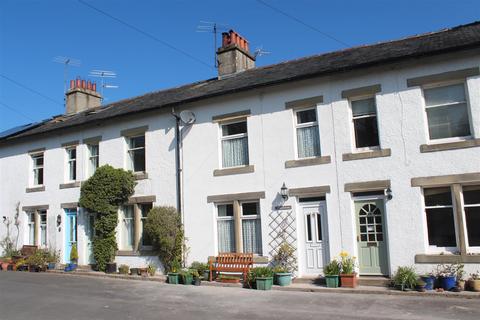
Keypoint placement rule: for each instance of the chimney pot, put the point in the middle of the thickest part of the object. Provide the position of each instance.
(72, 84)
(78, 83)
(94, 87)
(234, 55)
(82, 96)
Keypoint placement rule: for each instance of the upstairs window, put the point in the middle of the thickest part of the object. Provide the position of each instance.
(93, 158)
(364, 115)
(234, 144)
(440, 218)
(447, 112)
(37, 169)
(308, 138)
(72, 163)
(136, 153)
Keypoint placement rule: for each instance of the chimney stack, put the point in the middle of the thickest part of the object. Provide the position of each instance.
(234, 56)
(82, 95)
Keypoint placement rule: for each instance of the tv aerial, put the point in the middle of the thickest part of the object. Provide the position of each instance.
(67, 62)
(259, 51)
(214, 28)
(103, 75)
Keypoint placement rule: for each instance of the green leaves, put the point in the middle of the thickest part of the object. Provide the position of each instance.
(103, 193)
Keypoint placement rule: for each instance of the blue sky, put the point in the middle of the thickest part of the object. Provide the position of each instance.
(33, 32)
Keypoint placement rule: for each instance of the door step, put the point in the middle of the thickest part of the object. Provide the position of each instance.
(374, 281)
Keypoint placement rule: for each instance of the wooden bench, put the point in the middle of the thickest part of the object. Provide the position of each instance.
(25, 252)
(231, 262)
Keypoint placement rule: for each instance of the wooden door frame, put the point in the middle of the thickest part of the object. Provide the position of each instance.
(385, 227)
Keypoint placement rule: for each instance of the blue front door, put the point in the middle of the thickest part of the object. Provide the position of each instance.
(70, 231)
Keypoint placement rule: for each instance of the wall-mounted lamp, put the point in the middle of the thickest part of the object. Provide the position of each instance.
(388, 193)
(284, 192)
(59, 220)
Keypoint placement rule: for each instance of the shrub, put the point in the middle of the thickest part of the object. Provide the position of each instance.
(285, 257)
(164, 228)
(103, 193)
(405, 277)
(123, 269)
(332, 269)
(37, 259)
(200, 267)
(258, 272)
(151, 269)
(74, 253)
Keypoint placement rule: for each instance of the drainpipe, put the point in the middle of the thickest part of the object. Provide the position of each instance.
(178, 169)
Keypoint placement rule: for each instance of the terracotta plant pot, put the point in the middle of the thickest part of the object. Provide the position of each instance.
(474, 285)
(349, 280)
(4, 266)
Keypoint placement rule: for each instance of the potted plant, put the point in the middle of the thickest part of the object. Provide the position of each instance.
(285, 264)
(332, 271)
(20, 265)
(151, 269)
(36, 261)
(74, 257)
(196, 278)
(459, 275)
(187, 276)
(111, 267)
(5, 263)
(172, 276)
(123, 269)
(202, 268)
(405, 278)
(348, 276)
(429, 280)
(474, 282)
(52, 257)
(263, 278)
(420, 286)
(446, 274)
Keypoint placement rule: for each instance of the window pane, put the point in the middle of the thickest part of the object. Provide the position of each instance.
(235, 152)
(234, 128)
(366, 132)
(226, 236)
(252, 236)
(128, 227)
(137, 142)
(72, 153)
(138, 160)
(308, 142)
(471, 195)
(93, 150)
(363, 107)
(306, 116)
(472, 216)
(145, 209)
(309, 227)
(444, 95)
(441, 227)
(319, 228)
(225, 210)
(249, 209)
(38, 176)
(448, 121)
(72, 169)
(437, 197)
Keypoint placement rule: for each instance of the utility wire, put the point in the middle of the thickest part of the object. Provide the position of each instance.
(149, 35)
(30, 89)
(303, 23)
(16, 111)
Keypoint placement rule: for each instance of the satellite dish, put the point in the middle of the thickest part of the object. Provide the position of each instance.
(187, 117)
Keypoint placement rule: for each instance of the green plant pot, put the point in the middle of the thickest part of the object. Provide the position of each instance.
(206, 275)
(187, 279)
(332, 281)
(283, 279)
(264, 283)
(173, 278)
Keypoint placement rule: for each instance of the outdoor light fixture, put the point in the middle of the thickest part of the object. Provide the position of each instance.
(284, 192)
(59, 220)
(388, 193)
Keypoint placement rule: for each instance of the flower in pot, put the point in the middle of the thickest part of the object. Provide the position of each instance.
(285, 263)
(348, 276)
(282, 276)
(36, 261)
(172, 275)
(52, 257)
(446, 274)
(332, 271)
(202, 268)
(123, 269)
(474, 282)
(263, 277)
(405, 278)
(459, 275)
(5, 263)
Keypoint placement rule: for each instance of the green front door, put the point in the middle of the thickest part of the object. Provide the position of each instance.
(372, 248)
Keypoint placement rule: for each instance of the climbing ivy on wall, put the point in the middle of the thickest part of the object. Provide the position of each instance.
(103, 193)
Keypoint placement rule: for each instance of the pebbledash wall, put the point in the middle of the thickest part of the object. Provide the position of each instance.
(271, 143)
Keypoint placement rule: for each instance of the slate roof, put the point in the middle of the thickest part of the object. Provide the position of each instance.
(447, 40)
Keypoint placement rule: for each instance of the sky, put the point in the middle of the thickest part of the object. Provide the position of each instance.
(153, 45)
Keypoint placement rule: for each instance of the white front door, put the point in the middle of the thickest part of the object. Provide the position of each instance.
(313, 238)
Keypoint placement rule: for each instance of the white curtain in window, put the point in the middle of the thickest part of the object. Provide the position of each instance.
(43, 235)
(31, 234)
(308, 142)
(252, 236)
(226, 236)
(235, 152)
(128, 231)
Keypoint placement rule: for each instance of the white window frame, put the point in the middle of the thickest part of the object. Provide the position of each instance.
(142, 221)
(235, 136)
(226, 218)
(70, 162)
(252, 217)
(40, 213)
(425, 107)
(92, 157)
(130, 161)
(31, 226)
(435, 249)
(352, 123)
(470, 249)
(305, 125)
(36, 167)
(123, 229)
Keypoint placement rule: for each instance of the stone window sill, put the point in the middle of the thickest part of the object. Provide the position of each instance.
(367, 155)
(230, 171)
(447, 258)
(69, 185)
(35, 189)
(140, 175)
(307, 162)
(131, 253)
(450, 145)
